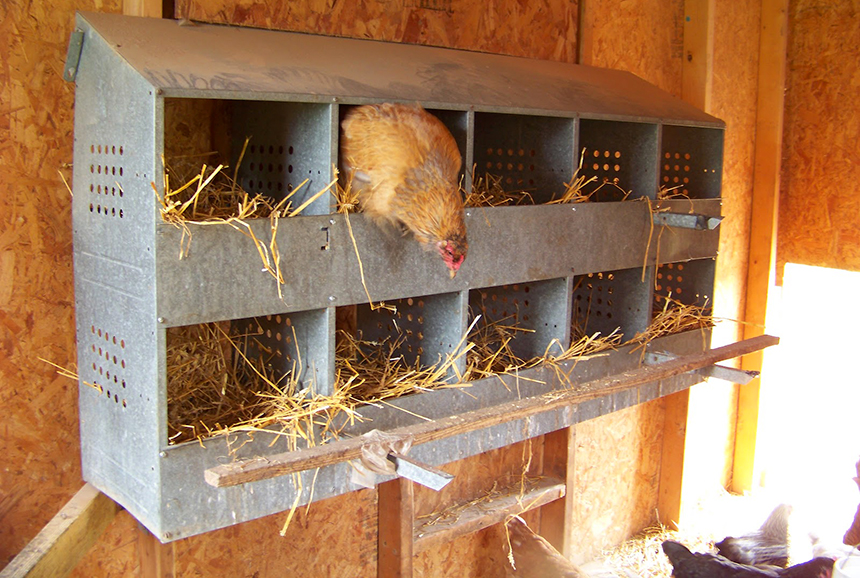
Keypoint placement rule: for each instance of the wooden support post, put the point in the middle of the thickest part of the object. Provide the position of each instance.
(149, 8)
(761, 274)
(696, 83)
(585, 35)
(672, 460)
(395, 529)
(556, 518)
(156, 559)
(57, 549)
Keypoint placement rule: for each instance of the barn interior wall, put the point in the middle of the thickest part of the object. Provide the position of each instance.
(819, 212)
(617, 456)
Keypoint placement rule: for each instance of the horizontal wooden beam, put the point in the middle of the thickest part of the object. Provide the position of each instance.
(487, 513)
(262, 468)
(60, 545)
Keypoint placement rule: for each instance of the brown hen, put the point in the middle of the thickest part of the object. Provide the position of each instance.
(405, 164)
(535, 557)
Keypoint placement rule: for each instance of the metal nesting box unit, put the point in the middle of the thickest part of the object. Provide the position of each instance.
(547, 265)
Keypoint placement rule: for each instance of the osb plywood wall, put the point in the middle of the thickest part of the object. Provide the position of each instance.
(39, 440)
(336, 537)
(819, 216)
(545, 30)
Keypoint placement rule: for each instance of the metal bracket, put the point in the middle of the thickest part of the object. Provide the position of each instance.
(740, 376)
(420, 473)
(73, 55)
(686, 221)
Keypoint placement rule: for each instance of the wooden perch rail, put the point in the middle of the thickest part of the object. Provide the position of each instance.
(262, 468)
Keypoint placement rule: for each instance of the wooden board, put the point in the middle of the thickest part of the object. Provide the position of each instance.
(483, 514)
(256, 469)
(57, 549)
(395, 540)
(762, 251)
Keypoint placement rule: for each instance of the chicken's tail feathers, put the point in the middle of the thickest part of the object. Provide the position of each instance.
(775, 527)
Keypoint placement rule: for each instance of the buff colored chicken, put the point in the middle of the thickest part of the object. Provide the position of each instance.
(405, 164)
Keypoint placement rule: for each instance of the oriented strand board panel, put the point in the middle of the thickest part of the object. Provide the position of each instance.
(617, 465)
(545, 30)
(479, 554)
(819, 213)
(645, 37)
(39, 439)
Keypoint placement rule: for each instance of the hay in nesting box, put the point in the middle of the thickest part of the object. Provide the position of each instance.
(665, 193)
(492, 353)
(574, 190)
(211, 197)
(374, 371)
(209, 388)
(487, 191)
(675, 317)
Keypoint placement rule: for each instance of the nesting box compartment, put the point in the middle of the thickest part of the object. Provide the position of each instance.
(146, 88)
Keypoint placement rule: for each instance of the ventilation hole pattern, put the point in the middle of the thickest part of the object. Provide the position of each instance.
(594, 298)
(408, 324)
(108, 365)
(515, 165)
(106, 175)
(509, 303)
(266, 167)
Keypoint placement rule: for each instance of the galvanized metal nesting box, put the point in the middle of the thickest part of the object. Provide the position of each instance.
(526, 121)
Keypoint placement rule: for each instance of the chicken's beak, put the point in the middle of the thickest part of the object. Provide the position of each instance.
(452, 273)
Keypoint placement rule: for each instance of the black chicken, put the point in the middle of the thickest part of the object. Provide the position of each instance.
(767, 545)
(686, 564)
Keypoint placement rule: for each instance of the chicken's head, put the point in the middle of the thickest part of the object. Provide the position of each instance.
(453, 252)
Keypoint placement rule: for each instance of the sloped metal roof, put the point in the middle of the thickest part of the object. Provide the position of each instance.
(232, 62)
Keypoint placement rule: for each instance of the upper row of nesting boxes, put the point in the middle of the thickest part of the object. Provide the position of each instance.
(150, 88)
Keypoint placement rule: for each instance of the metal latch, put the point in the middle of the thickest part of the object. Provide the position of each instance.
(686, 221)
(423, 474)
(73, 55)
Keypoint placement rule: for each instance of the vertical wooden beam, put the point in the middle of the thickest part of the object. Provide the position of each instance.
(672, 460)
(556, 518)
(157, 560)
(585, 34)
(697, 68)
(761, 275)
(149, 8)
(60, 545)
(696, 83)
(395, 527)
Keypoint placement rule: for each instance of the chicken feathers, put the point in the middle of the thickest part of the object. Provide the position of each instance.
(686, 564)
(405, 164)
(767, 545)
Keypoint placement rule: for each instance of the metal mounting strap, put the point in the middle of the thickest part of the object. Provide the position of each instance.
(740, 376)
(73, 55)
